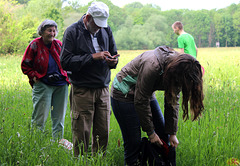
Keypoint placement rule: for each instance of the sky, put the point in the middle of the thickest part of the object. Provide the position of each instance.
(177, 4)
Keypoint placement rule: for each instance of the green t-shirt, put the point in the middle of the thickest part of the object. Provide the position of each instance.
(187, 42)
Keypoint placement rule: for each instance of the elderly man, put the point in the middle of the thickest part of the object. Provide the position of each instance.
(88, 53)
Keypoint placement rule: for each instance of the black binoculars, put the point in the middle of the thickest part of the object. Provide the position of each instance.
(53, 77)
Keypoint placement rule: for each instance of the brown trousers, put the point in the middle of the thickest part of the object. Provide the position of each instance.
(90, 108)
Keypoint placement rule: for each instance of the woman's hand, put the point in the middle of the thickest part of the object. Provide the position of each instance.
(35, 80)
(173, 141)
(155, 139)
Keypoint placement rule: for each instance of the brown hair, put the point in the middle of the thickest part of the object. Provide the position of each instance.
(178, 25)
(184, 72)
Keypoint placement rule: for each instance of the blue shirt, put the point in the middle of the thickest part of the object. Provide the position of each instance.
(53, 69)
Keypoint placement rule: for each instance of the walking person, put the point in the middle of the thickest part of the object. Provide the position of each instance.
(41, 63)
(186, 41)
(89, 53)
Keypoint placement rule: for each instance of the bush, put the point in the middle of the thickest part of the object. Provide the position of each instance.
(15, 33)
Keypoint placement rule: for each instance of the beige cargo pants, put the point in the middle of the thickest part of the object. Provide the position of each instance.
(90, 108)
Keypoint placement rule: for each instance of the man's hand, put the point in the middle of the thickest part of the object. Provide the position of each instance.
(105, 55)
(112, 60)
(101, 55)
(155, 139)
(173, 141)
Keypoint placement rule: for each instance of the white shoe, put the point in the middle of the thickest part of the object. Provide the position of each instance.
(66, 144)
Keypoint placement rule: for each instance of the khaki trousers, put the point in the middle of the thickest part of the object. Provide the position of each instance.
(90, 108)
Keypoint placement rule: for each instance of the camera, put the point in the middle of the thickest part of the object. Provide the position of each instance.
(53, 78)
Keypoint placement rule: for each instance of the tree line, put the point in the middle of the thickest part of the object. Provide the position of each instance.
(135, 26)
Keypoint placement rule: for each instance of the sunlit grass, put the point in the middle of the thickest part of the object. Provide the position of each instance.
(212, 140)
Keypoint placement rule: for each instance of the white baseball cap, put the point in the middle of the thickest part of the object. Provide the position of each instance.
(100, 13)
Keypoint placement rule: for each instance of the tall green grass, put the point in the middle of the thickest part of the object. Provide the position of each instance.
(210, 141)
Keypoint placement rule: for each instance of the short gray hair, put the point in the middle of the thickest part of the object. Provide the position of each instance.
(45, 24)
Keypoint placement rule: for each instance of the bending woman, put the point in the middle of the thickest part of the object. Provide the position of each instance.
(134, 104)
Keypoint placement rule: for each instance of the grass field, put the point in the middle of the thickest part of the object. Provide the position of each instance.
(212, 141)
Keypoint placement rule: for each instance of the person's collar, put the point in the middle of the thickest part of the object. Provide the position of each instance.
(94, 35)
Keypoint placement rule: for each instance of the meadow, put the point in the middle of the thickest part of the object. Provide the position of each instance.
(213, 140)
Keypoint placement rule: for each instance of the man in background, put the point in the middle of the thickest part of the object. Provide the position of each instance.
(88, 53)
(186, 41)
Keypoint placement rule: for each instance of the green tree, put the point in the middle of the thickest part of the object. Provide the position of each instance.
(46, 9)
(146, 36)
(218, 27)
(197, 23)
(171, 17)
(227, 22)
(141, 13)
(236, 26)
(74, 5)
(5, 22)
(149, 10)
(211, 36)
(15, 34)
(22, 1)
(133, 5)
(155, 29)
(134, 10)
(54, 13)
(116, 15)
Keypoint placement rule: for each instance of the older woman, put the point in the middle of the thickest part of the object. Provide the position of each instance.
(134, 104)
(49, 81)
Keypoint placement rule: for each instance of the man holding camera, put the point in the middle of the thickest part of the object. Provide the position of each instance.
(88, 53)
